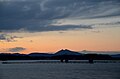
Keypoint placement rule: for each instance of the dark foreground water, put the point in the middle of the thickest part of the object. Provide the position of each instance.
(60, 71)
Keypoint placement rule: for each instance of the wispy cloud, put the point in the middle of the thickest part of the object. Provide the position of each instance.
(16, 49)
(8, 38)
(110, 23)
(58, 28)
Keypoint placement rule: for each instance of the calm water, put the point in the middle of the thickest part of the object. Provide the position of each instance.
(60, 71)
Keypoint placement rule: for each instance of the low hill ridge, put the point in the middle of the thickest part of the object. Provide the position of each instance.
(67, 52)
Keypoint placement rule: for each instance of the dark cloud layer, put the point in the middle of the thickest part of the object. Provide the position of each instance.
(39, 15)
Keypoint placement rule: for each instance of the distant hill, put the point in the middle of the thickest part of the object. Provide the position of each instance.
(67, 52)
(36, 54)
(115, 56)
(100, 52)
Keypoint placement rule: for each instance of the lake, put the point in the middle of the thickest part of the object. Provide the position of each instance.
(60, 71)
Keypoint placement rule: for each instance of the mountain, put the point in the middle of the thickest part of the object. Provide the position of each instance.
(100, 52)
(67, 52)
(116, 56)
(36, 54)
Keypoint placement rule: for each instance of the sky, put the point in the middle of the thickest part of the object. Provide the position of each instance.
(50, 25)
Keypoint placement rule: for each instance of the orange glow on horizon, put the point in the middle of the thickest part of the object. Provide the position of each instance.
(77, 41)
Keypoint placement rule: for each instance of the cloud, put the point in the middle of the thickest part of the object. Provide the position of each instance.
(96, 31)
(16, 49)
(59, 28)
(110, 23)
(40, 14)
(8, 38)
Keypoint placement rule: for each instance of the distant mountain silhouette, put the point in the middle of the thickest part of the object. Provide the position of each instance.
(40, 54)
(67, 52)
(116, 56)
(60, 55)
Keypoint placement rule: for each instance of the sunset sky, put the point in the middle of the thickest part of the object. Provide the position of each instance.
(50, 25)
